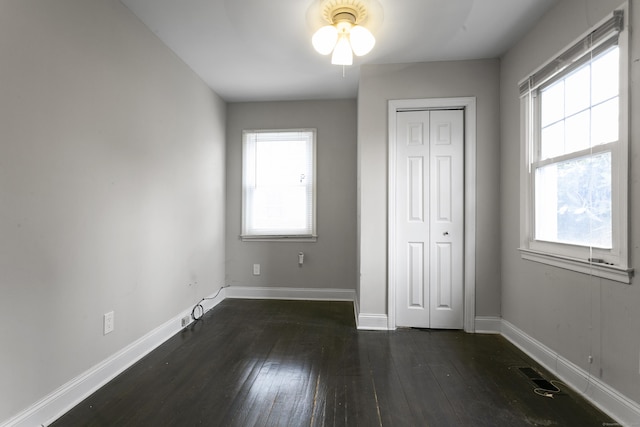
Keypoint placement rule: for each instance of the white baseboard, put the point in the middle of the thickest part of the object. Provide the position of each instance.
(370, 322)
(373, 322)
(488, 324)
(313, 294)
(57, 403)
(601, 395)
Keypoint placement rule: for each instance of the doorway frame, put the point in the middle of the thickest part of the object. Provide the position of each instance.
(468, 105)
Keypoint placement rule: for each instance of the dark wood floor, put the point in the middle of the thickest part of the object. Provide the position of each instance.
(298, 363)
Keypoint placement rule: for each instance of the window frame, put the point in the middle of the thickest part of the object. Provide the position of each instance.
(611, 263)
(249, 157)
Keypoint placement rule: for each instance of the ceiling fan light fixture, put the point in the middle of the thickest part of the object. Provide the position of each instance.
(343, 36)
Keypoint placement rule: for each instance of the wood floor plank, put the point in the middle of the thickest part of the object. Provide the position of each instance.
(302, 363)
(393, 405)
(417, 379)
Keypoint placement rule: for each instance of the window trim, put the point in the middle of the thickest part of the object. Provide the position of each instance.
(312, 237)
(609, 264)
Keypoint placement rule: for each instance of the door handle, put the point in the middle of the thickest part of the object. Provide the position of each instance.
(446, 233)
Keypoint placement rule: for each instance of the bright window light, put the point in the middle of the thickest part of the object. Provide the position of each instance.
(279, 184)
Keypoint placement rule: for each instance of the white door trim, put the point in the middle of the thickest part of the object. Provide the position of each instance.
(469, 106)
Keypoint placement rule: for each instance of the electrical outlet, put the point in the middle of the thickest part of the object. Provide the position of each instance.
(185, 321)
(108, 323)
(256, 269)
(590, 359)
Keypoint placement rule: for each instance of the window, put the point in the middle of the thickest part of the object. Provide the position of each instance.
(278, 184)
(575, 169)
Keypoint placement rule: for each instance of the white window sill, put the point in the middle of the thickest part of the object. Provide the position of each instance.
(301, 238)
(605, 271)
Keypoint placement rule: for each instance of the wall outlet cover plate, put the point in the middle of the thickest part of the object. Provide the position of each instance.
(108, 323)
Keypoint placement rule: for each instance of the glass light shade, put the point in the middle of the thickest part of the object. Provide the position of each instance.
(325, 39)
(342, 54)
(362, 41)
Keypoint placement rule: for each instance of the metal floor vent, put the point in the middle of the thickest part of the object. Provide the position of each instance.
(537, 378)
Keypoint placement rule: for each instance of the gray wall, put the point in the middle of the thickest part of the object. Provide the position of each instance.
(573, 314)
(111, 189)
(331, 261)
(380, 83)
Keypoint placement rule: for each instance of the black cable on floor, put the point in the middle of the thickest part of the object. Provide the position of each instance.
(198, 307)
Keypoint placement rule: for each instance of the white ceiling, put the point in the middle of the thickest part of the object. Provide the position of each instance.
(258, 50)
